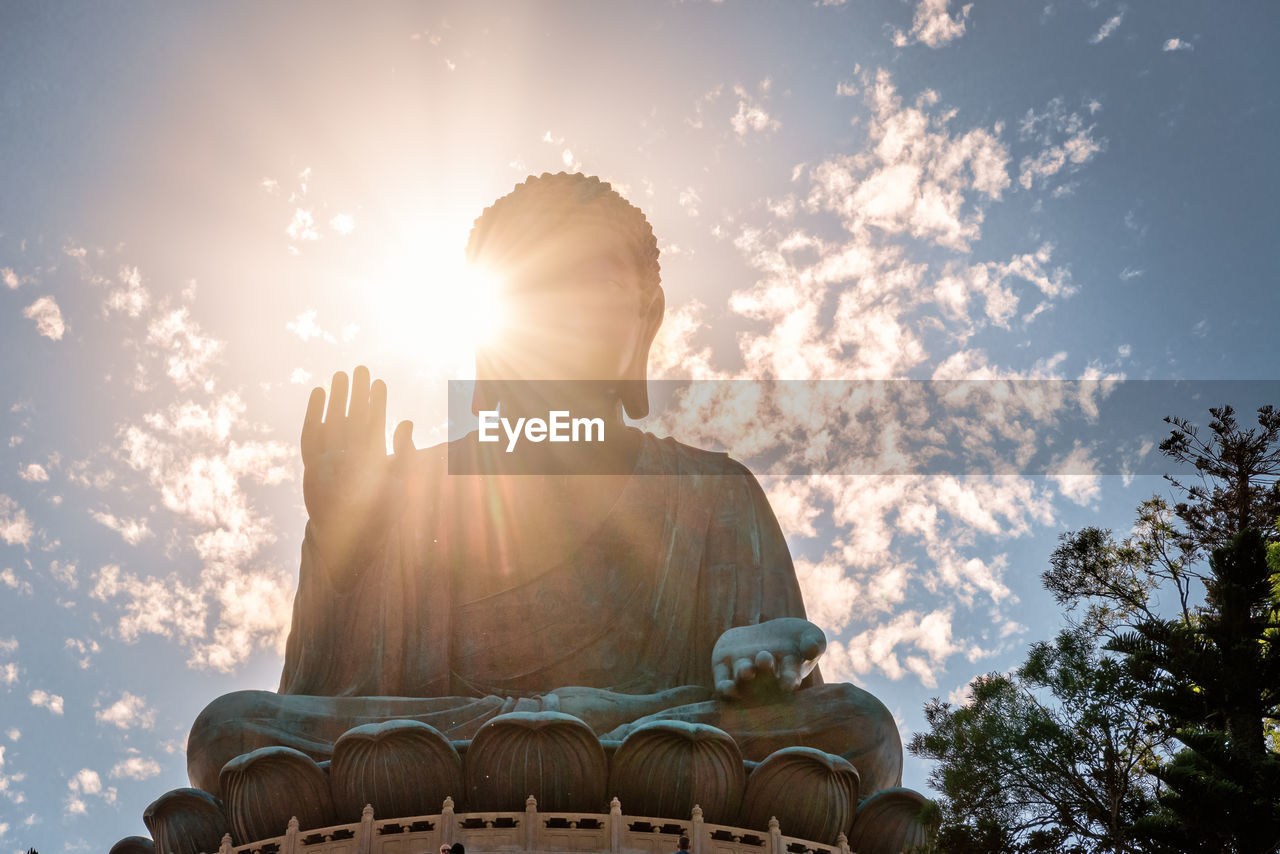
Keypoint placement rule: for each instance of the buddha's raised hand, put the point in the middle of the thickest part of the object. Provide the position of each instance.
(765, 660)
(349, 483)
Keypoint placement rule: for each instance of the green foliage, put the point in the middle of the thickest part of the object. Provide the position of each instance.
(1215, 683)
(1168, 738)
(1049, 758)
(1212, 672)
(1238, 471)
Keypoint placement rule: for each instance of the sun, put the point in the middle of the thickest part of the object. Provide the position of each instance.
(438, 309)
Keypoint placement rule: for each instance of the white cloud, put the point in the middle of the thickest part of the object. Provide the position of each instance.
(1067, 143)
(190, 421)
(1177, 44)
(8, 673)
(44, 700)
(8, 646)
(1107, 28)
(927, 638)
(829, 594)
(837, 593)
(791, 499)
(131, 298)
(961, 695)
(915, 178)
(13, 734)
(129, 712)
(675, 353)
(344, 224)
(302, 226)
(933, 24)
(206, 486)
(10, 278)
(751, 116)
(253, 604)
(188, 354)
(200, 457)
(86, 782)
(8, 780)
(689, 200)
(48, 317)
(300, 376)
(958, 290)
(1079, 488)
(11, 580)
(85, 648)
(34, 473)
(136, 768)
(64, 573)
(255, 610)
(699, 107)
(165, 607)
(132, 531)
(306, 328)
(15, 527)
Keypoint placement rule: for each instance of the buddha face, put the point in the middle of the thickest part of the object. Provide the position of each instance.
(574, 309)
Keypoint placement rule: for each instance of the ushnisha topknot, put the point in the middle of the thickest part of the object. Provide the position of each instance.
(516, 224)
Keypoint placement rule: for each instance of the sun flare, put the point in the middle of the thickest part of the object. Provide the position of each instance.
(439, 309)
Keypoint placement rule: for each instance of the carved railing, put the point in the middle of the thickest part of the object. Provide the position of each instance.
(531, 830)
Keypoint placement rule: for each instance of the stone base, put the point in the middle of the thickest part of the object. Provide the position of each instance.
(493, 785)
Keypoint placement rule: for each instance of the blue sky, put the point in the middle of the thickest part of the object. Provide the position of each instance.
(205, 210)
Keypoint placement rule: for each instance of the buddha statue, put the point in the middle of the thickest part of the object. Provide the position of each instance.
(448, 587)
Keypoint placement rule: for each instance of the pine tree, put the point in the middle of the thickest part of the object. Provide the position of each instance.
(1212, 671)
(1216, 680)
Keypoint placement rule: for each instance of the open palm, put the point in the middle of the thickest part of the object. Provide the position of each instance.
(349, 483)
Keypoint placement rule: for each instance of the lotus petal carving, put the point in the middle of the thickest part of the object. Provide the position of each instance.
(893, 820)
(813, 794)
(553, 756)
(184, 821)
(402, 768)
(268, 786)
(134, 845)
(664, 768)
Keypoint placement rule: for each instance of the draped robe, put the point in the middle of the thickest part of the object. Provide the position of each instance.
(438, 623)
(689, 549)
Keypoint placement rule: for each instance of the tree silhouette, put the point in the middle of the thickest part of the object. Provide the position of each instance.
(1052, 757)
(1142, 728)
(1212, 671)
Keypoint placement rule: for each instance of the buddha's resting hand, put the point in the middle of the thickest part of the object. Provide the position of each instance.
(349, 483)
(763, 661)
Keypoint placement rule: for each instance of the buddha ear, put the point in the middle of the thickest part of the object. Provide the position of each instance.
(634, 392)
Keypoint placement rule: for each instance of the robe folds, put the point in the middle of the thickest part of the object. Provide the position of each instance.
(444, 622)
(689, 549)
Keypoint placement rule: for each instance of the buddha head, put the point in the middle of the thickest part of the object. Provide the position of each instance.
(577, 267)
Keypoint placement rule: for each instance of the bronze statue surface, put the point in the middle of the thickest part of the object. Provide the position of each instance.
(660, 590)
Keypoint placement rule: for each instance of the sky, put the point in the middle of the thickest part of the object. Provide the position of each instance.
(205, 210)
